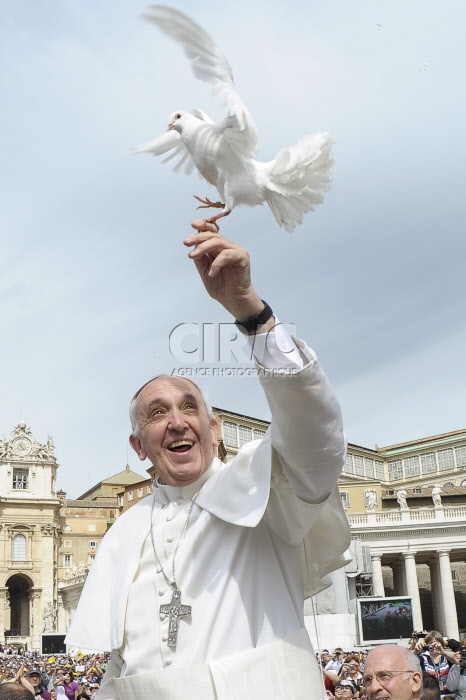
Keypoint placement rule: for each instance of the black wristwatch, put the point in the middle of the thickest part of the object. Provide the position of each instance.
(252, 324)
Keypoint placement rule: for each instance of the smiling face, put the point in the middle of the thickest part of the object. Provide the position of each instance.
(174, 430)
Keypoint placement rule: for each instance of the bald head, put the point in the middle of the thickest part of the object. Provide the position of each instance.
(173, 427)
(133, 408)
(404, 668)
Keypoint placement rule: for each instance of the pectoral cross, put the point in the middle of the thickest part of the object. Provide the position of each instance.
(175, 610)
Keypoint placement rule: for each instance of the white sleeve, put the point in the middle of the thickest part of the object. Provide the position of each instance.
(306, 428)
(107, 690)
(276, 350)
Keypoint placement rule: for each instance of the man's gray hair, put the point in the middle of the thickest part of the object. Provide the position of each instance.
(134, 401)
(412, 660)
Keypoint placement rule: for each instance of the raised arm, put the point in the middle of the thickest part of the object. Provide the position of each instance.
(225, 270)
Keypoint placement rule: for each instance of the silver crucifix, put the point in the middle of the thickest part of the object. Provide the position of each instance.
(175, 610)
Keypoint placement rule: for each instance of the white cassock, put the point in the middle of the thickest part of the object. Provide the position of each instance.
(263, 534)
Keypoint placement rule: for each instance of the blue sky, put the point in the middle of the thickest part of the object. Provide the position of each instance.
(94, 272)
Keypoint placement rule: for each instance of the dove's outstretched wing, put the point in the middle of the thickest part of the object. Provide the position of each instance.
(172, 144)
(210, 65)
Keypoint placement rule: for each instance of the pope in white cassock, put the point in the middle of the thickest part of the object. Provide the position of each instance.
(198, 589)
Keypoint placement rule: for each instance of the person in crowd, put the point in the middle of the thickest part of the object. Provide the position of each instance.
(354, 670)
(345, 690)
(69, 685)
(35, 678)
(18, 687)
(392, 673)
(223, 543)
(431, 689)
(335, 662)
(456, 681)
(14, 691)
(436, 660)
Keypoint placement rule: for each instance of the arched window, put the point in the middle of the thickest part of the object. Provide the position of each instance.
(19, 548)
(448, 485)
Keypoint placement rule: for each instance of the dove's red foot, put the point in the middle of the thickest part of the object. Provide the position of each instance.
(213, 219)
(206, 203)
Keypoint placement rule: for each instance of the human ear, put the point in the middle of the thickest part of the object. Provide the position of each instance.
(135, 443)
(214, 432)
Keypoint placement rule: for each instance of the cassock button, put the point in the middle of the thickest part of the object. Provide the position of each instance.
(159, 570)
(162, 591)
(169, 539)
(167, 663)
(175, 504)
(164, 638)
(162, 617)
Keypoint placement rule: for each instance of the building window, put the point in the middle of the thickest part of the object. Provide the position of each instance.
(449, 485)
(455, 575)
(130, 495)
(417, 490)
(236, 435)
(245, 435)
(460, 456)
(91, 528)
(369, 467)
(140, 493)
(395, 470)
(358, 465)
(92, 544)
(67, 560)
(428, 463)
(348, 468)
(345, 499)
(380, 471)
(412, 467)
(230, 436)
(445, 460)
(463, 483)
(67, 528)
(67, 543)
(19, 548)
(20, 479)
(148, 489)
(90, 558)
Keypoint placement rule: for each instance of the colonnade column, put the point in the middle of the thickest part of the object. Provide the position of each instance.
(399, 578)
(377, 578)
(412, 588)
(3, 599)
(447, 596)
(439, 622)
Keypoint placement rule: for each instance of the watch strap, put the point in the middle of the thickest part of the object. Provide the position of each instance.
(253, 323)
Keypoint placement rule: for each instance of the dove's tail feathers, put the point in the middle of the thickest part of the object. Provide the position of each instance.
(290, 209)
(298, 178)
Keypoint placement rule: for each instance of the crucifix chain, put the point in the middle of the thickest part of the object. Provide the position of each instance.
(174, 609)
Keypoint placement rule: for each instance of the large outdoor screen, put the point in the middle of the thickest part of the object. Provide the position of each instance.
(385, 619)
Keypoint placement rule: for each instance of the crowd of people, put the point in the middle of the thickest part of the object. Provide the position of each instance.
(57, 677)
(439, 663)
(355, 675)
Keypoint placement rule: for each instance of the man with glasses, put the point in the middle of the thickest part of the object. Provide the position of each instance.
(392, 673)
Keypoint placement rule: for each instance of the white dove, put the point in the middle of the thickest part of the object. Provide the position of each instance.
(291, 184)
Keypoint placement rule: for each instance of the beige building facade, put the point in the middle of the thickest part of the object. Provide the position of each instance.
(47, 542)
(406, 505)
